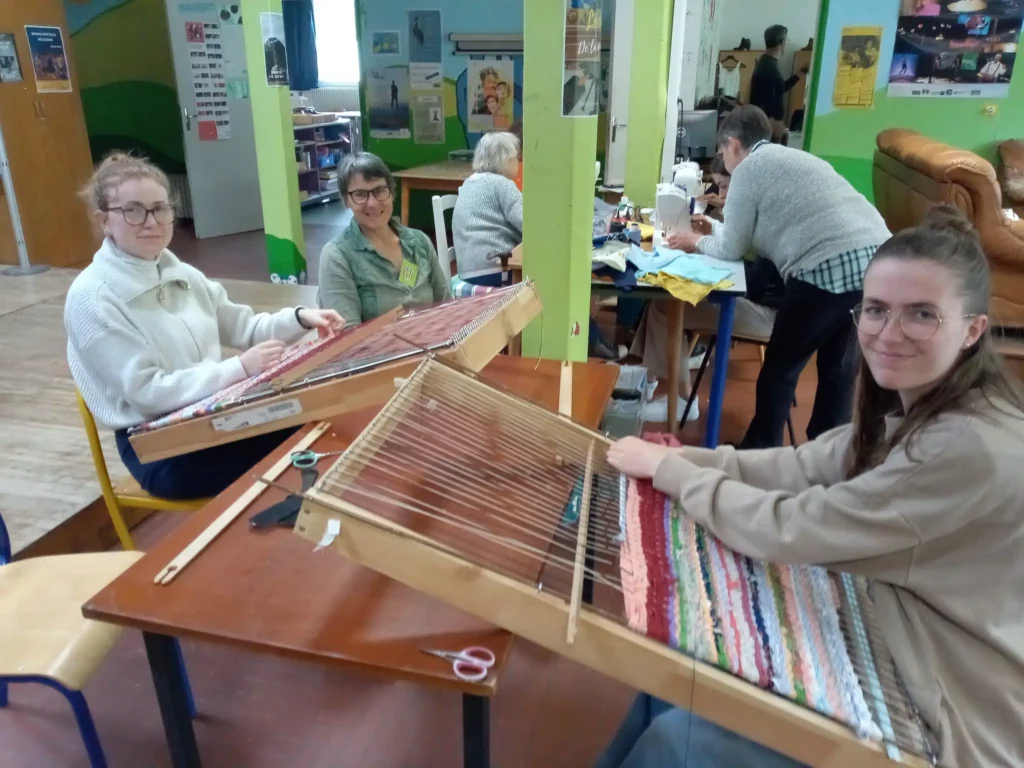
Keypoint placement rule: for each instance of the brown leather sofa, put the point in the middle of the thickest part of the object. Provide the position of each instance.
(912, 173)
(1011, 174)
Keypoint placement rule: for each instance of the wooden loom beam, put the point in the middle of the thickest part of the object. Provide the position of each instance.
(601, 644)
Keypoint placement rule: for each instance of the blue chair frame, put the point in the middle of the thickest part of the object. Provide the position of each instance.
(83, 716)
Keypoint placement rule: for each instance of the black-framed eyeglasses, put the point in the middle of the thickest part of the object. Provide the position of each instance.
(381, 193)
(136, 214)
(917, 323)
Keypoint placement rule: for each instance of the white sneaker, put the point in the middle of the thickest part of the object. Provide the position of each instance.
(656, 410)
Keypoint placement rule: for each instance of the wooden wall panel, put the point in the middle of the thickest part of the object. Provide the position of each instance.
(47, 146)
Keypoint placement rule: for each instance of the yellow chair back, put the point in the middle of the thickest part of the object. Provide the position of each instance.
(127, 493)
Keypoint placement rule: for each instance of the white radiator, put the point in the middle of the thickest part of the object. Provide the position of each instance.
(341, 99)
(179, 190)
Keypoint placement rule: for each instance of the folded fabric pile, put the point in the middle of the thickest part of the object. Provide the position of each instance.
(687, 277)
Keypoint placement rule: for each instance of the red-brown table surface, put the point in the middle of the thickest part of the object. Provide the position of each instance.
(268, 591)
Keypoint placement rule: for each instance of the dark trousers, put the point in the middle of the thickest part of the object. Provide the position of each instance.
(201, 473)
(809, 320)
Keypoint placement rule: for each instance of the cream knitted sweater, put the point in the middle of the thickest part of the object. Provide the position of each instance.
(145, 337)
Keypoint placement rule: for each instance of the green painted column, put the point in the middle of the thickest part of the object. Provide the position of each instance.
(558, 191)
(275, 153)
(648, 97)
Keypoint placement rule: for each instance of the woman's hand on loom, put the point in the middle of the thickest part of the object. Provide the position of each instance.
(637, 458)
(262, 356)
(324, 320)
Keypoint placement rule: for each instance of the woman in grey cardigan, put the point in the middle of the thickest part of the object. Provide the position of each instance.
(488, 216)
(488, 220)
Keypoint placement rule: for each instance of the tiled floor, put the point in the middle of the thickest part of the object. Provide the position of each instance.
(244, 256)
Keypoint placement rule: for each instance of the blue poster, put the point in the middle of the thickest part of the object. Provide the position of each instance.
(425, 36)
(49, 62)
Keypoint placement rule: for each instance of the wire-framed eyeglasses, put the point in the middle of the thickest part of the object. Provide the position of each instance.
(917, 323)
(136, 213)
(360, 196)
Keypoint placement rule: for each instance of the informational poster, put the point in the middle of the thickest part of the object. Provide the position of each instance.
(491, 90)
(49, 62)
(424, 37)
(425, 76)
(581, 65)
(428, 118)
(387, 100)
(274, 53)
(206, 57)
(859, 49)
(10, 70)
(959, 49)
(386, 43)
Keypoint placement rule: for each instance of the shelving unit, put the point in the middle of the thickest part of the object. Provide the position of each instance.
(319, 149)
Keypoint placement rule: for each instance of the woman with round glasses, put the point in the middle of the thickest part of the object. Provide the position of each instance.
(376, 264)
(145, 331)
(921, 494)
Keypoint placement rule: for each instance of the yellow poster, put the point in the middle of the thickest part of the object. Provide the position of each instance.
(858, 68)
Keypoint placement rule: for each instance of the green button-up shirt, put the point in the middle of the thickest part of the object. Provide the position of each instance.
(360, 284)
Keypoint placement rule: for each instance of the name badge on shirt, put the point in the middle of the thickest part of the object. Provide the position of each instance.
(408, 273)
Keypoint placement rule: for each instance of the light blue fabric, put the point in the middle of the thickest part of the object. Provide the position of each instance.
(647, 262)
(657, 735)
(679, 263)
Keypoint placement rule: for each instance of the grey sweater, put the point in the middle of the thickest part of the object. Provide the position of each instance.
(794, 209)
(488, 219)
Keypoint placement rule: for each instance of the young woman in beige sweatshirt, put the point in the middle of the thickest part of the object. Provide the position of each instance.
(922, 494)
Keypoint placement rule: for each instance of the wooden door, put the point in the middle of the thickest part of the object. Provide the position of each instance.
(47, 146)
(8, 246)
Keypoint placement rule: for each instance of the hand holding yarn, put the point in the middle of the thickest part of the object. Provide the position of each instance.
(637, 458)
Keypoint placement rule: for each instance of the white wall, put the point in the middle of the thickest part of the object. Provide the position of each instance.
(750, 18)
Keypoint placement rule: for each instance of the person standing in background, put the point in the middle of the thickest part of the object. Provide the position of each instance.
(767, 86)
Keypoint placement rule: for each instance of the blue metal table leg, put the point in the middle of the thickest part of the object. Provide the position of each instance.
(184, 678)
(725, 317)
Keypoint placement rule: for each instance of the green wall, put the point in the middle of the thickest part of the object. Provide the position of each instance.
(123, 54)
(846, 137)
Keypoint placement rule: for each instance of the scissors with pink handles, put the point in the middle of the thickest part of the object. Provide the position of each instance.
(471, 664)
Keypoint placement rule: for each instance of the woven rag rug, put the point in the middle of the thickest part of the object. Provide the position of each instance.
(776, 626)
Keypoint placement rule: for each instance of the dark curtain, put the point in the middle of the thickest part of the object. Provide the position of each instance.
(300, 42)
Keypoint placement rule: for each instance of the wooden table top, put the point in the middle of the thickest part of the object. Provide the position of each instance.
(449, 170)
(268, 591)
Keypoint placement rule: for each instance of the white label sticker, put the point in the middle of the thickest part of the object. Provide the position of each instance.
(330, 534)
(251, 417)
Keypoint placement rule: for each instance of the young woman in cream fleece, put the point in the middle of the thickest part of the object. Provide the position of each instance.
(922, 494)
(145, 331)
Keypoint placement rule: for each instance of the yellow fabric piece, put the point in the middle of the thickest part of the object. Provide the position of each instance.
(685, 290)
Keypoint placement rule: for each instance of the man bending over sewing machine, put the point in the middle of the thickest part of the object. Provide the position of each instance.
(145, 331)
(795, 210)
(921, 495)
(376, 264)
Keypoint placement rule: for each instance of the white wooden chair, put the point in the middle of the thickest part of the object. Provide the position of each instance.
(446, 252)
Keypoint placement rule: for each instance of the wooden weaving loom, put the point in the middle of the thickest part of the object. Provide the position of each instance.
(344, 372)
(511, 513)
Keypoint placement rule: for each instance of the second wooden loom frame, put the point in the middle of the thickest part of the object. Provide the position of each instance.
(343, 394)
(592, 639)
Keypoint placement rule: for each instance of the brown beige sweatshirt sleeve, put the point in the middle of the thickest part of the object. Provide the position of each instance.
(889, 509)
(818, 462)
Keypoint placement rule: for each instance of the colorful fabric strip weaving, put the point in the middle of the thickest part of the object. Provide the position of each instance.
(776, 626)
